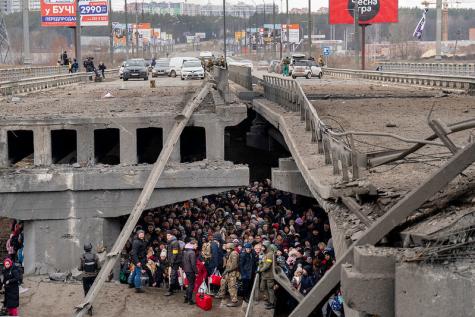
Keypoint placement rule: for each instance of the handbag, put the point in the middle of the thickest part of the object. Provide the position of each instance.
(215, 278)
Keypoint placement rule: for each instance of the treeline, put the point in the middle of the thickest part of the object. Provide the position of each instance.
(460, 20)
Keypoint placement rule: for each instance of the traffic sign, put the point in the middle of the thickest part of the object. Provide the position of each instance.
(326, 51)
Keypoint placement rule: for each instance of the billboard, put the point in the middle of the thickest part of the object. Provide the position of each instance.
(58, 12)
(294, 33)
(94, 13)
(370, 11)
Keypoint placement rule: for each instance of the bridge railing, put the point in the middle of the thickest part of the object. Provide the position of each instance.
(25, 85)
(254, 298)
(337, 148)
(459, 83)
(16, 73)
(464, 69)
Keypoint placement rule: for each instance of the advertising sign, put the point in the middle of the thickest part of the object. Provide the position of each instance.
(58, 12)
(94, 13)
(294, 33)
(326, 51)
(201, 35)
(369, 11)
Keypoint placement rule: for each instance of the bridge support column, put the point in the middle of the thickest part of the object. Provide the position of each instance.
(175, 156)
(42, 146)
(85, 145)
(214, 141)
(56, 245)
(128, 145)
(3, 148)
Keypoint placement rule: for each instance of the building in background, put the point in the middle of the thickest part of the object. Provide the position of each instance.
(471, 34)
(241, 9)
(12, 6)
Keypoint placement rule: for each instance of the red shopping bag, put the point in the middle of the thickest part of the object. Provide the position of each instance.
(215, 278)
(203, 301)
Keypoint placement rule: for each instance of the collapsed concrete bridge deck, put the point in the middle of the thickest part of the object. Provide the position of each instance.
(399, 279)
(72, 161)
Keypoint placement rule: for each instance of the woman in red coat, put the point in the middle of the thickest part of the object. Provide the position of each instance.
(202, 274)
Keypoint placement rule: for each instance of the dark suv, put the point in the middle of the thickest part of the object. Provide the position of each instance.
(135, 68)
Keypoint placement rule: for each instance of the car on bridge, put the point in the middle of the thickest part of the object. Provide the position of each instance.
(307, 69)
(192, 70)
(135, 68)
(160, 67)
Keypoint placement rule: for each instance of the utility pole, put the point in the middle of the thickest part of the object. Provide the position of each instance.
(111, 35)
(26, 33)
(77, 35)
(274, 43)
(136, 28)
(287, 25)
(356, 39)
(263, 28)
(126, 32)
(309, 28)
(225, 33)
(438, 36)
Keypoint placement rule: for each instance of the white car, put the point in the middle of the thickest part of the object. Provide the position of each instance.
(306, 68)
(244, 62)
(121, 69)
(192, 69)
(176, 63)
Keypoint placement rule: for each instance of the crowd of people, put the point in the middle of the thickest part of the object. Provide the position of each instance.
(234, 235)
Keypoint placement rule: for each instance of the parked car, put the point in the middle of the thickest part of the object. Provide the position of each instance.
(192, 69)
(293, 59)
(176, 63)
(160, 68)
(121, 69)
(272, 66)
(135, 68)
(262, 65)
(243, 62)
(306, 68)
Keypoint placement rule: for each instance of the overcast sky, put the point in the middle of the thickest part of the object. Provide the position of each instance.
(301, 3)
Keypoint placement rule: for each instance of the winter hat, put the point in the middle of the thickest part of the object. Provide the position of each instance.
(7, 260)
(248, 245)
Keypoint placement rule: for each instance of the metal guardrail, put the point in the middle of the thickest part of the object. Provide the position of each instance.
(17, 73)
(289, 94)
(254, 298)
(25, 85)
(464, 69)
(241, 75)
(464, 83)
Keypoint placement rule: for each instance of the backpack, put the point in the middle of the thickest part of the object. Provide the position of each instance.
(90, 263)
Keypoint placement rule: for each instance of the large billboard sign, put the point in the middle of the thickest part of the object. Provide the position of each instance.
(58, 12)
(369, 11)
(94, 13)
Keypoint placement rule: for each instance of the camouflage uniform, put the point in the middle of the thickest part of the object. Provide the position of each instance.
(267, 276)
(230, 277)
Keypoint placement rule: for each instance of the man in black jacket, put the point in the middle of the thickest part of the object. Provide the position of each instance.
(189, 266)
(139, 259)
(90, 266)
(247, 267)
(174, 256)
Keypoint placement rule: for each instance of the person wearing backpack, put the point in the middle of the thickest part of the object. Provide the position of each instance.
(90, 266)
(11, 282)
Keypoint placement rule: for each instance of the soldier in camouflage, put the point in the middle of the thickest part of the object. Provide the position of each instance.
(267, 276)
(230, 276)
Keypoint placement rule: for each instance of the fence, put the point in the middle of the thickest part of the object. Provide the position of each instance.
(338, 151)
(31, 72)
(464, 69)
(464, 83)
(241, 75)
(25, 85)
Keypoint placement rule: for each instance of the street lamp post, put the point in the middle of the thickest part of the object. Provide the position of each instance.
(26, 33)
(126, 31)
(309, 28)
(225, 33)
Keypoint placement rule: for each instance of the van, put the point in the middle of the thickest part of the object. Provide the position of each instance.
(174, 69)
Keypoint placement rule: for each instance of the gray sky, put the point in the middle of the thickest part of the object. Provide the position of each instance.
(303, 3)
